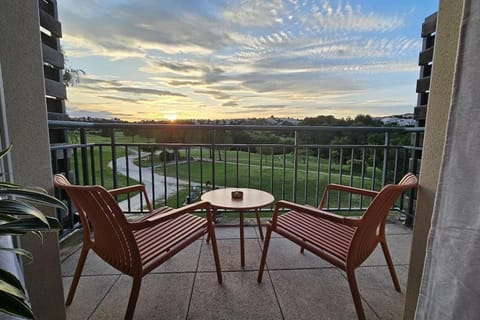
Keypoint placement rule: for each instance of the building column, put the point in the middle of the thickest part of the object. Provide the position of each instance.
(438, 109)
(22, 70)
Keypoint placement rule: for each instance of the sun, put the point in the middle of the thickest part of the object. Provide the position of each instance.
(171, 117)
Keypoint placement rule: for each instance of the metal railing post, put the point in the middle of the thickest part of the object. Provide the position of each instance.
(416, 154)
(83, 153)
(293, 182)
(113, 146)
(295, 167)
(385, 158)
(213, 159)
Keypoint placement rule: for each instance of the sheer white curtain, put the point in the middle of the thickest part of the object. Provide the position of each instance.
(450, 286)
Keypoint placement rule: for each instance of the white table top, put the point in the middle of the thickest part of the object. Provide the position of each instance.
(252, 199)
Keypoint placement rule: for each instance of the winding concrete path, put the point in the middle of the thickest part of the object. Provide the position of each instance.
(149, 181)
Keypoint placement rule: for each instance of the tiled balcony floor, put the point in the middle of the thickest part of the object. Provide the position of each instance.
(295, 285)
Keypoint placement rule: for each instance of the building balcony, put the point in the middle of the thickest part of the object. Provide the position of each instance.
(295, 285)
(177, 163)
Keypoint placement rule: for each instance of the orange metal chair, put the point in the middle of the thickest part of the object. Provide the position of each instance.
(345, 242)
(134, 248)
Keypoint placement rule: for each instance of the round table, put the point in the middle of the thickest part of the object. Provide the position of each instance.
(252, 199)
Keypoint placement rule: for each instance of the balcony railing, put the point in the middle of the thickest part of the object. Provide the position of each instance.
(291, 162)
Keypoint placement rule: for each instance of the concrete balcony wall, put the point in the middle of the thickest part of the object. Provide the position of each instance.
(22, 70)
(444, 63)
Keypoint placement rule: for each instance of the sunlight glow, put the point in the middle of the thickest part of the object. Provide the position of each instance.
(171, 117)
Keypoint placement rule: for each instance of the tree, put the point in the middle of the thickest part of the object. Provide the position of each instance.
(71, 76)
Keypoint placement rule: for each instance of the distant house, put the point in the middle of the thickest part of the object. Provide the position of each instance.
(404, 120)
(169, 155)
(389, 120)
(282, 121)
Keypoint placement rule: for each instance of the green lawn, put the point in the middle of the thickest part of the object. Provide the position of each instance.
(243, 169)
(102, 156)
(233, 168)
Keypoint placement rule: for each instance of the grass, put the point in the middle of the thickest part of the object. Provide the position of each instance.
(235, 168)
(252, 170)
(100, 156)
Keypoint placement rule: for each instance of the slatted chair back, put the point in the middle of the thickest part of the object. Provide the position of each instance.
(104, 225)
(373, 222)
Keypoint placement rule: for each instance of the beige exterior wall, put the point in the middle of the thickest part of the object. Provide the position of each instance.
(22, 69)
(444, 60)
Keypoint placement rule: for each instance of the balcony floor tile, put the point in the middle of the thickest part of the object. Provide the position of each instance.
(295, 285)
(229, 252)
(315, 294)
(239, 297)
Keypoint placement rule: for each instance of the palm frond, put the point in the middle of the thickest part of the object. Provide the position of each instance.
(14, 306)
(5, 151)
(19, 251)
(19, 215)
(13, 299)
(14, 207)
(9, 185)
(35, 197)
(29, 224)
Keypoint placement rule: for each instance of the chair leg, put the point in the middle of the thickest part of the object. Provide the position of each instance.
(214, 216)
(391, 268)
(213, 238)
(78, 272)
(355, 294)
(132, 302)
(259, 224)
(266, 243)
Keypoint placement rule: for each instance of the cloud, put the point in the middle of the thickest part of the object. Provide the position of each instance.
(122, 99)
(265, 106)
(184, 83)
(336, 17)
(179, 67)
(257, 13)
(245, 54)
(148, 91)
(230, 104)
(219, 95)
(116, 85)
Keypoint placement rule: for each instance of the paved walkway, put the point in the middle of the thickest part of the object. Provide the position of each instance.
(295, 286)
(157, 180)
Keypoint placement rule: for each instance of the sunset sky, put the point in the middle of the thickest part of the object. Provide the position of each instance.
(220, 59)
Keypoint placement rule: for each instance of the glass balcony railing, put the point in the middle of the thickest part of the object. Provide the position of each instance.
(177, 163)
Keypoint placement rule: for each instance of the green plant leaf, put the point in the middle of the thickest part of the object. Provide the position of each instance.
(38, 234)
(25, 225)
(9, 185)
(12, 296)
(53, 223)
(20, 252)
(18, 215)
(34, 196)
(11, 279)
(21, 208)
(5, 151)
(16, 307)
(7, 217)
(13, 290)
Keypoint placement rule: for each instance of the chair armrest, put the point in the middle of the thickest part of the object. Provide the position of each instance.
(360, 191)
(342, 188)
(317, 213)
(156, 218)
(127, 189)
(133, 188)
